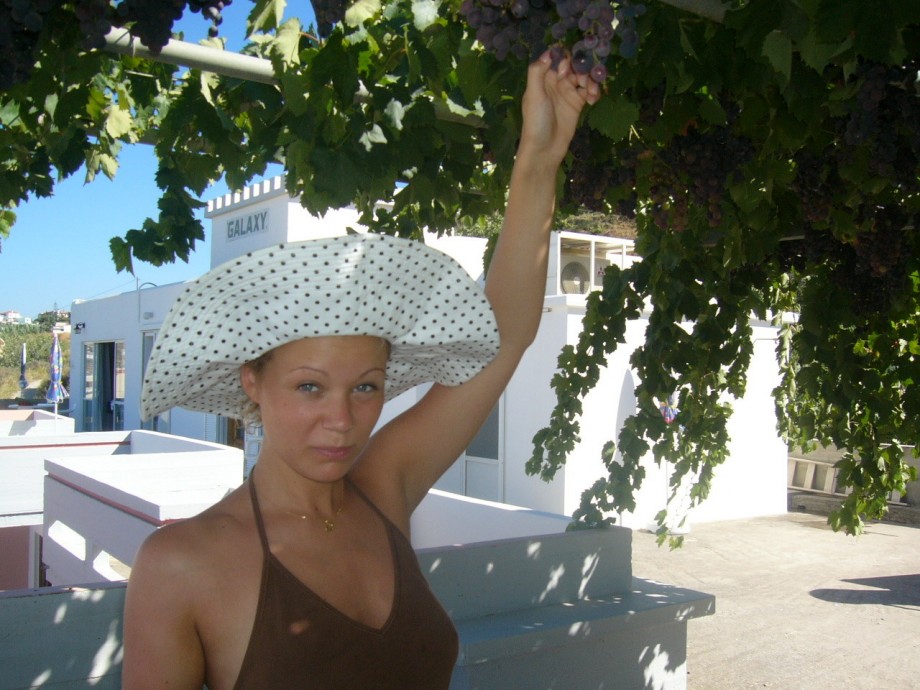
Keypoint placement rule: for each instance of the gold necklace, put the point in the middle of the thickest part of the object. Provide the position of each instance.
(328, 523)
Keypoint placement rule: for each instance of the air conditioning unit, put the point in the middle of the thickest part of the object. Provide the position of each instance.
(577, 263)
(575, 275)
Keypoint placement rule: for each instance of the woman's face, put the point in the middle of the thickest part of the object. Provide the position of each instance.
(319, 399)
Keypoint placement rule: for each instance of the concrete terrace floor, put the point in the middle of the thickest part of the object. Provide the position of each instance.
(797, 605)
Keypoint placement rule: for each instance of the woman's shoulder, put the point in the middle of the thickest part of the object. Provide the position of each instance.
(202, 541)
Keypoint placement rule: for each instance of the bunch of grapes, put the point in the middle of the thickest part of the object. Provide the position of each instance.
(598, 175)
(594, 24)
(693, 172)
(151, 20)
(863, 123)
(588, 178)
(871, 272)
(95, 18)
(814, 185)
(593, 20)
(883, 248)
(883, 121)
(212, 10)
(21, 21)
(509, 27)
(868, 120)
(625, 27)
(523, 29)
(328, 13)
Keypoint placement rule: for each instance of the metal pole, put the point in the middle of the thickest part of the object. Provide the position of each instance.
(186, 54)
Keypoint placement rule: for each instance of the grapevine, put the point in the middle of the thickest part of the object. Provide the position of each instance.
(882, 129)
(23, 22)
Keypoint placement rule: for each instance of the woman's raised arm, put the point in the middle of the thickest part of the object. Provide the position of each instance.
(424, 441)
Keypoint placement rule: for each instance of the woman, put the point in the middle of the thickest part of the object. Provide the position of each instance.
(304, 575)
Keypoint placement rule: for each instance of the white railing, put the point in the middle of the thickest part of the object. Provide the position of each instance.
(819, 474)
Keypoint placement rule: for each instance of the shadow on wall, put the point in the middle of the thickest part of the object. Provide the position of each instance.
(62, 637)
(562, 611)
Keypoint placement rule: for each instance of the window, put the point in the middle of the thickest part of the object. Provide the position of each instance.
(161, 421)
(103, 386)
(483, 471)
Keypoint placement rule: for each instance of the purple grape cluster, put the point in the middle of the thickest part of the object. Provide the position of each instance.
(693, 172)
(593, 21)
(625, 27)
(588, 28)
(21, 21)
(151, 20)
(869, 271)
(212, 10)
(95, 18)
(884, 120)
(328, 13)
(863, 123)
(509, 27)
(600, 175)
(595, 24)
(814, 185)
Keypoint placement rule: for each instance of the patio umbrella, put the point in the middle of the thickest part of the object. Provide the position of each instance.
(56, 392)
(669, 409)
(23, 383)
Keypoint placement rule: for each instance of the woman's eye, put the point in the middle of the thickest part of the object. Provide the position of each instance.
(308, 387)
(366, 387)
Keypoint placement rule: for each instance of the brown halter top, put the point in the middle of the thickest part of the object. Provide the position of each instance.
(298, 640)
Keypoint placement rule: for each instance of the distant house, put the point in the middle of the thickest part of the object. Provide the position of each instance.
(14, 317)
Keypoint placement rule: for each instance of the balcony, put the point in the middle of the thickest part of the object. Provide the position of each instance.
(33, 422)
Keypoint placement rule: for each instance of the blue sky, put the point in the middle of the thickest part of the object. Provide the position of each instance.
(58, 250)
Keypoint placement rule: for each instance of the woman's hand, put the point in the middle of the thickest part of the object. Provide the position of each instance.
(552, 104)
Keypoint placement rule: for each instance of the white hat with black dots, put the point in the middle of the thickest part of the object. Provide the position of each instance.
(436, 318)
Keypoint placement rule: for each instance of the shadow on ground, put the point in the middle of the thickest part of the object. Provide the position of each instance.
(896, 590)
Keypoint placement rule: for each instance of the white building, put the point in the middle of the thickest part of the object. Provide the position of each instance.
(112, 338)
(14, 317)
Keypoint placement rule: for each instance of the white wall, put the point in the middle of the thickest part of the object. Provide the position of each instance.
(263, 215)
(266, 201)
(22, 464)
(444, 518)
(100, 508)
(34, 423)
(751, 482)
(528, 403)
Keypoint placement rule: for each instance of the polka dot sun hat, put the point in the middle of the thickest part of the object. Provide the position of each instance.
(438, 322)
